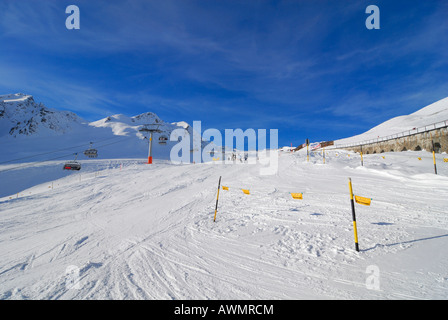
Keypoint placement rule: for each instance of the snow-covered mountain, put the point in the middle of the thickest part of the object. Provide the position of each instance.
(433, 113)
(20, 115)
(29, 128)
(121, 125)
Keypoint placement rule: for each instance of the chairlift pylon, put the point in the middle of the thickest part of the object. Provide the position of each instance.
(146, 128)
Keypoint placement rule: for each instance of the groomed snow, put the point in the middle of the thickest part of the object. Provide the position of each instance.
(138, 231)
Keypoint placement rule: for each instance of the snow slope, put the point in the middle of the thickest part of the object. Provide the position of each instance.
(428, 115)
(128, 230)
(147, 232)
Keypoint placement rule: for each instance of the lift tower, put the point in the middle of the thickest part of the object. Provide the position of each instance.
(151, 128)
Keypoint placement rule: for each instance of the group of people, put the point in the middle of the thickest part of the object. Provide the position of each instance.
(233, 157)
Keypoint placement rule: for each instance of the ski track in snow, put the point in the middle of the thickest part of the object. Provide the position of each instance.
(147, 232)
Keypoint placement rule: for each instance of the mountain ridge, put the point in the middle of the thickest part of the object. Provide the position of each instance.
(430, 114)
(28, 127)
(21, 115)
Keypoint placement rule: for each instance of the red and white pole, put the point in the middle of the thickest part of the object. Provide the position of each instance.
(150, 149)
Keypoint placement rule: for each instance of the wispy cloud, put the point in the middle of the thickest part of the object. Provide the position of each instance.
(273, 63)
(56, 91)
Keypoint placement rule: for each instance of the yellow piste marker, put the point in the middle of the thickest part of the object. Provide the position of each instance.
(363, 201)
(434, 157)
(297, 196)
(355, 231)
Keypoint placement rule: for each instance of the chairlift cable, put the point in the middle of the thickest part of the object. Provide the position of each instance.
(50, 152)
(34, 163)
(56, 158)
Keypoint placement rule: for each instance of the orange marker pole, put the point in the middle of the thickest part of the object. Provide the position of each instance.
(150, 149)
(434, 157)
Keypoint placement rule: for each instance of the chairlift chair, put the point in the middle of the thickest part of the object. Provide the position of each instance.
(163, 139)
(72, 165)
(91, 152)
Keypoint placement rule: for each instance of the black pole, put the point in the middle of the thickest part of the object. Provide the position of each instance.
(434, 156)
(217, 198)
(353, 214)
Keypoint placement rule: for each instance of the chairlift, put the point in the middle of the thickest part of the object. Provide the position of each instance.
(163, 139)
(212, 153)
(91, 152)
(72, 165)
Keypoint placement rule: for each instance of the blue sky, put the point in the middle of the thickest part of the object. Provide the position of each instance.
(310, 69)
